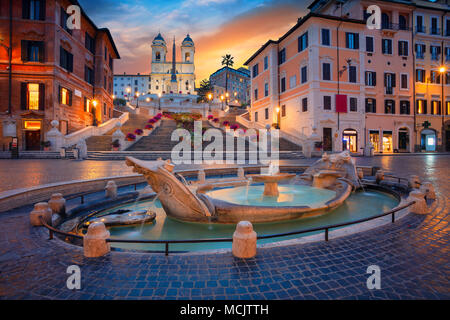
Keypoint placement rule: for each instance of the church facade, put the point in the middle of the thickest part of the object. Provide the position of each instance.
(172, 76)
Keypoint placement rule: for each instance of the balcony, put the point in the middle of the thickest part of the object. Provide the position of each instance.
(395, 26)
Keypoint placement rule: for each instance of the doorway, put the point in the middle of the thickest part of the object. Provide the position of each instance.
(403, 140)
(428, 140)
(327, 140)
(387, 141)
(349, 140)
(33, 139)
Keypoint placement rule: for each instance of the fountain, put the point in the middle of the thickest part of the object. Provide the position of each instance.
(324, 186)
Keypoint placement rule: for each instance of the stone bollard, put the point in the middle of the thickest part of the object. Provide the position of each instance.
(379, 176)
(420, 207)
(241, 173)
(111, 190)
(414, 182)
(244, 240)
(41, 209)
(94, 242)
(360, 173)
(201, 176)
(58, 204)
(428, 189)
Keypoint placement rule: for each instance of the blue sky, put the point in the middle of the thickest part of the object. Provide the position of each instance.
(216, 26)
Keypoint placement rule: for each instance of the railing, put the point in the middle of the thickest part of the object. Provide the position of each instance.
(168, 242)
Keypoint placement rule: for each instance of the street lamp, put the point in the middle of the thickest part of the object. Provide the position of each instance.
(94, 103)
(159, 101)
(278, 117)
(209, 103)
(221, 98)
(128, 93)
(442, 71)
(137, 98)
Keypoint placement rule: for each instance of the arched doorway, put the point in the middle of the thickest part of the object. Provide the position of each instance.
(428, 140)
(350, 140)
(403, 139)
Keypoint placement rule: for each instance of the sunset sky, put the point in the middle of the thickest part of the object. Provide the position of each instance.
(217, 27)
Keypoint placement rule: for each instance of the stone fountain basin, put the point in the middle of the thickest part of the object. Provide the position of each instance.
(227, 212)
(270, 178)
(128, 218)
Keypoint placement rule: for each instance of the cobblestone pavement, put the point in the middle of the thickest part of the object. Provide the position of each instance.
(413, 255)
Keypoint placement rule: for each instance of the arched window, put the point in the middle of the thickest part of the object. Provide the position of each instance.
(385, 21)
(402, 22)
(187, 57)
(158, 56)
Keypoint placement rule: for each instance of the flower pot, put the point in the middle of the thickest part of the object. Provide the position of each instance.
(115, 148)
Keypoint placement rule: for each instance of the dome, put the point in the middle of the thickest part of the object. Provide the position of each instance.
(188, 42)
(159, 40)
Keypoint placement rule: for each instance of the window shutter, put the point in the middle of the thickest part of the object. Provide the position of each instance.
(41, 51)
(393, 106)
(42, 96)
(400, 48)
(356, 41)
(62, 57)
(26, 9)
(24, 48)
(85, 104)
(374, 76)
(424, 106)
(393, 79)
(374, 107)
(42, 10)
(70, 97)
(385, 79)
(347, 43)
(23, 95)
(306, 35)
(59, 94)
(416, 46)
(70, 62)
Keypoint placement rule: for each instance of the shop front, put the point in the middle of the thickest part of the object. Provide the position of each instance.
(350, 140)
(428, 140)
(32, 134)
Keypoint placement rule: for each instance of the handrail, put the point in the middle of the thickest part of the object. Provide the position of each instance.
(167, 242)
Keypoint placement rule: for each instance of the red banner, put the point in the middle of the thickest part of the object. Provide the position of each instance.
(341, 103)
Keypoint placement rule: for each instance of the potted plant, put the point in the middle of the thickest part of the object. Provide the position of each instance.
(216, 120)
(131, 137)
(226, 123)
(151, 121)
(234, 126)
(138, 132)
(210, 117)
(149, 126)
(46, 145)
(115, 145)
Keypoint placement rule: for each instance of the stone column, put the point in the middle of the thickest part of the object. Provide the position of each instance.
(420, 205)
(244, 240)
(111, 190)
(41, 209)
(58, 204)
(55, 137)
(94, 242)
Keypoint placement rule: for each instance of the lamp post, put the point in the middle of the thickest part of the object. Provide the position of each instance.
(209, 103)
(137, 99)
(221, 99)
(128, 93)
(94, 111)
(159, 101)
(442, 71)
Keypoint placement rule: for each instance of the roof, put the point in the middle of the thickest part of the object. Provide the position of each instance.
(245, 74)
(105, 30)
(299, 23)
(188, 39)
(159, 37)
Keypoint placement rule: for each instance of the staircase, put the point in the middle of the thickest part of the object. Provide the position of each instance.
(103, 143)
(159, 140)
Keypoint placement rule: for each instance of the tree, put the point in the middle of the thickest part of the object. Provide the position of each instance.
(205, 88)
(227, 61)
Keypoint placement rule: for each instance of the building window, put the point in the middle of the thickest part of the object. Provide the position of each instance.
(420, 51)
(33, 96)
(385, 21)
(351, 40)
(435, 52)
(304, 74)
(420, 75)
(266, 89)
(402, 22)
(33, 9)
(389, 82)
(404, 81)
(63, 22)
(292, 81)
(389, 106)
(371, 78)
(353, 104)
(371, 105)
(283, 110)
(89, 43)
(352, 74)
(386, 46)
(283, 84)
(434, 26)
(266, 113)
(32, 51)
(266, 63)
(87, 105)
(403, 48)
(404, 107)
(435, 107)
(325, 37)
(302, 42)
(256, 116)
(421, 106)
(89, 75)
(327, 102)
(447, 52)
(326, 71)
(255, 70)
(435, 77)
(305, 104)
(65, 59)
(419, 24)
(256, 94)
(369, 44)
(282, 56)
